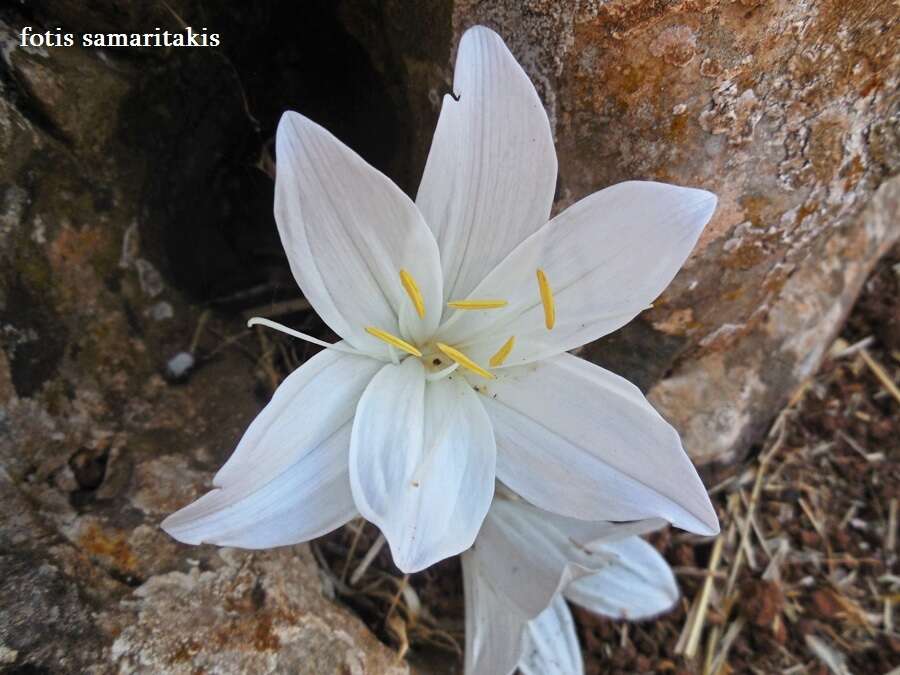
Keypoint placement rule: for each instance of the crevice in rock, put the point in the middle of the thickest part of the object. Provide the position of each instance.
(32, 335)
(205, 123)
(32, 112)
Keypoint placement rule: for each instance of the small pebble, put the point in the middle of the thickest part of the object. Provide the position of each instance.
(180, 366)
(160, 311)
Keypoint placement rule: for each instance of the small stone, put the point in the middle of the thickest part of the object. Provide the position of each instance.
(180, 366)
(160, 311)
(149, 278)
(8, 655)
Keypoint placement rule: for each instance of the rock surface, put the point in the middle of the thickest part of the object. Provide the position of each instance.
(131, 199)
(103, 158)
(789, 111)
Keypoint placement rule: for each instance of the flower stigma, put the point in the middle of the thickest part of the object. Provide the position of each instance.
(546, 299)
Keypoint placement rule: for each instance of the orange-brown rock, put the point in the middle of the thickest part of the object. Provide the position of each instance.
(788, 111)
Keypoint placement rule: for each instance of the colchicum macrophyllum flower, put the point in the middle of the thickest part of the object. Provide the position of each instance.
(455, 313)
(525, 561)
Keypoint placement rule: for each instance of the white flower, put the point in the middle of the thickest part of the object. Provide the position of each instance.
(455, 313)
(522, 564)
(550, 644)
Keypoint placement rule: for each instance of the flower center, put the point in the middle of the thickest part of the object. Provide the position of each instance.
(464, 361)
(437, 367)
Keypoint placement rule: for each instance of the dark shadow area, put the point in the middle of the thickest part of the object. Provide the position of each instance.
(205, 120)
(24, 316)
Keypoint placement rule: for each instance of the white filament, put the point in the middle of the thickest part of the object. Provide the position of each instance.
(260, 321)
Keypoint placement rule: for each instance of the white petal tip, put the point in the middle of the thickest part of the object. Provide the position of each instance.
(412, 561)
(704, 204)
(709, 200)
(478, 29)
(707, 527)
(291, 126)
(700, 519)
(409, 558)
(711, 520)
(174, 528)
(288, 116)
(408, 566)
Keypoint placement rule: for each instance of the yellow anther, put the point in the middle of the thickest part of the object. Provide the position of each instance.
(465, 361)
(412, 290)
(498, 358)
(477, 304)
(546, 299)
(393, 340)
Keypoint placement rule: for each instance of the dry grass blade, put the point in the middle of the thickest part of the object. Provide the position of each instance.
(840, 349)
(360, 526)
(890, 537)
(881, 374)
(747, 523)
(719, 663)
(868, 456)
(698, 615)
(398, 627)
(198, 331)
(367, 560)
(833, 659)
(807, 509)
(403, 583)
